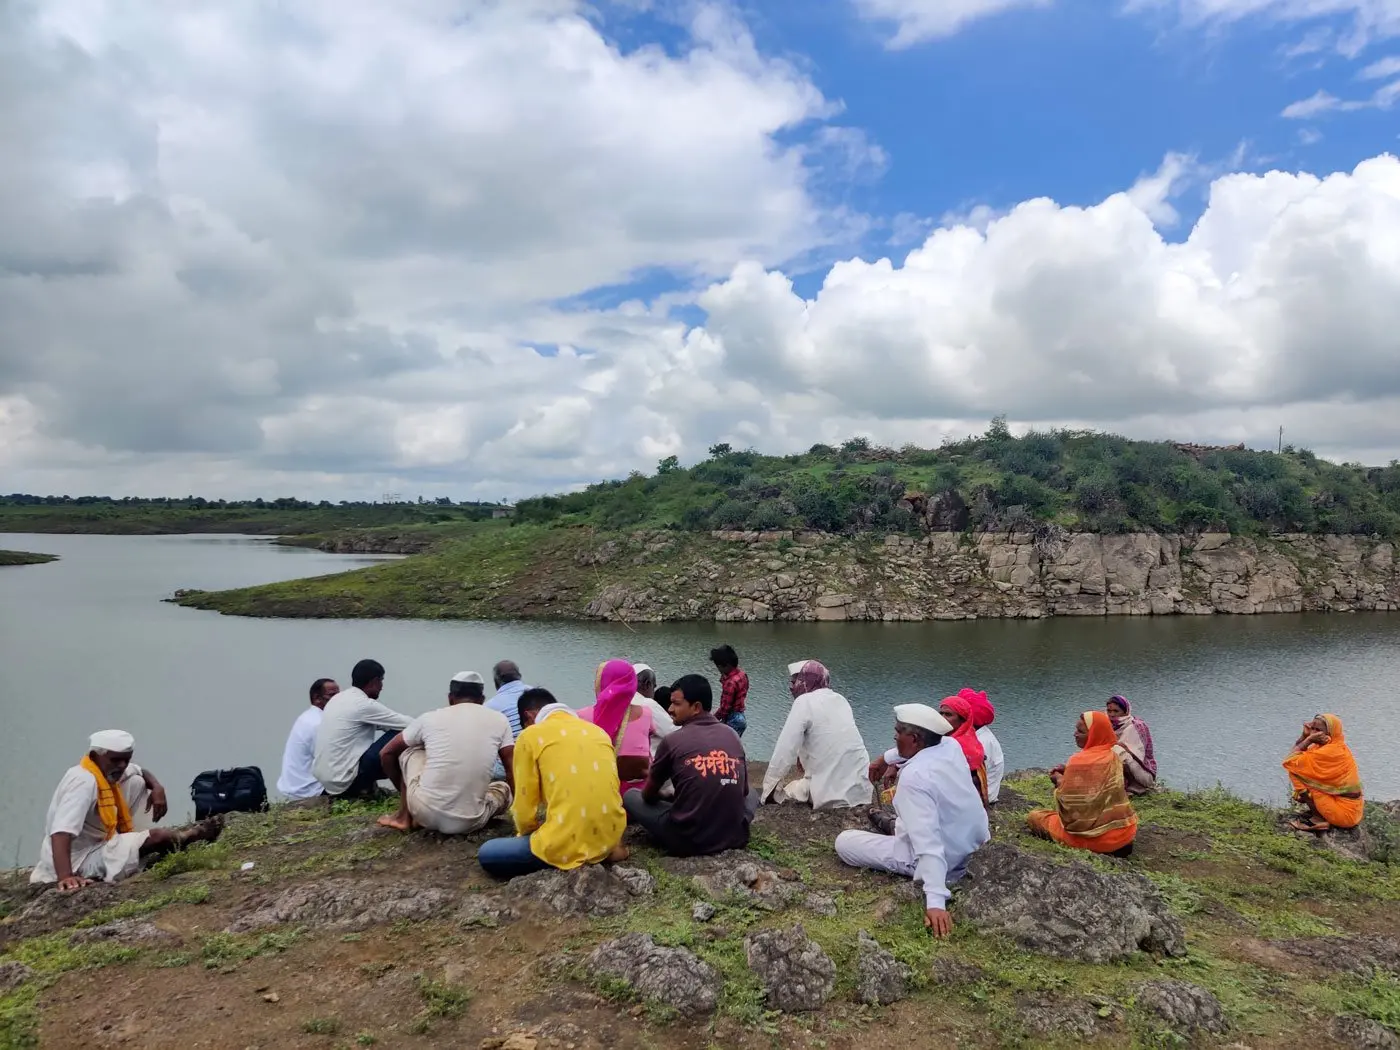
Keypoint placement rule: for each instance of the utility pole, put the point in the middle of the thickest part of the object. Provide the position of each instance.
(1280, 441)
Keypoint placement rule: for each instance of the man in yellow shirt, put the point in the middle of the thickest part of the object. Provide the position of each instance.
(567, 766)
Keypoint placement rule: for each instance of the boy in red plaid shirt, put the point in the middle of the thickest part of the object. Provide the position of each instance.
(733, 688)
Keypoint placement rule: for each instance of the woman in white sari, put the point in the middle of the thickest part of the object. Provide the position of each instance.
(1134, 746)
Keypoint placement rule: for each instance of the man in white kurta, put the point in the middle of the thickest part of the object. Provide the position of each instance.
(79, 847)
(662, 724)
(991, 746)
(354, 728)
(821, 735)
(939, 817)
(297, 781)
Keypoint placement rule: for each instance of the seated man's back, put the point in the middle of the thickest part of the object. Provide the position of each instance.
(568, 765)
(461, 744)
(705, 761)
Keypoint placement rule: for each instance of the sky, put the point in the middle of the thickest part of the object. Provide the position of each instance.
(491, 248)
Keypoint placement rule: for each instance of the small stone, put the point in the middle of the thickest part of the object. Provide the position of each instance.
(703, 911)
(271, 997)
(796, 973)
(1184, 1006)
(821, 903)
(13, 974)
(881, 979)
(1361, 1033)
(673, 976)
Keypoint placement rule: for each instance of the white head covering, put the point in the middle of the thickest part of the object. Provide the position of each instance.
(114, 740)
(924, 717)
(797, 667)
(554, 709)
(469, 676)
(639, 668)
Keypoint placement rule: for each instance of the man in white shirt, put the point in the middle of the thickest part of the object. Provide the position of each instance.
(355, 726)
(99, 821)
(983, 714)
(442, 762)
(297, 781)
(820, 735)
(939, 817)
(662, 724)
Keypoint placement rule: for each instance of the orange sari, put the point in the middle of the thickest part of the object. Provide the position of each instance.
(1092, 810)
(1324, 773)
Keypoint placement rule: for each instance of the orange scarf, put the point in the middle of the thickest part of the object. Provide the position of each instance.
(1091, 799)
(111, 805)
(1329, 768)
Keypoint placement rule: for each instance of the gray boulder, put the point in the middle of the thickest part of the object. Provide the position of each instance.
(1185, 1007)
(702, 911)
(1358, 955)
(52, 909)
(738, 875)
(1050, 1015)
(342, 904)
(881, 979)
(13, 974)
(123, 931)
(1361, 1033)
(796, 973)
(593, 889)
(672, 976)
(1067, 910)
(486, 911)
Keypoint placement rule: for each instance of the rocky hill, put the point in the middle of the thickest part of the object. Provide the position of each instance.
(311, 928)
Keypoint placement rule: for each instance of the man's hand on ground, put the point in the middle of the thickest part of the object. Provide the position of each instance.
(73, 882)
(938, 921)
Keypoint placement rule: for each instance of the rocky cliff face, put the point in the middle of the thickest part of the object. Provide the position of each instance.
(953, 576)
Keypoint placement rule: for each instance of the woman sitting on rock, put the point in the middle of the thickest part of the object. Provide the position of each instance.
(1134, 746)
(1324, 776)
(628, 725)
(1092, 810)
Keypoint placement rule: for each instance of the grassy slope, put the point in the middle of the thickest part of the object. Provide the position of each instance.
(25, 558)
(1234, 877)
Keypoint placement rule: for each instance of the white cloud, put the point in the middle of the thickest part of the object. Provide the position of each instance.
(916, 21)
(1382, 69)
(1284, 297)
(1325, 102)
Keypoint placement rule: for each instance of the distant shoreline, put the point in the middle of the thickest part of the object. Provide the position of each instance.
(25, 558)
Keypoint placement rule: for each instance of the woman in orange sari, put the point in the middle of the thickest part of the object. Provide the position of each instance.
(1092, 810)
(1324, 776)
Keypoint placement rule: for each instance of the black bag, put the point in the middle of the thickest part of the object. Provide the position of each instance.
(239, 790)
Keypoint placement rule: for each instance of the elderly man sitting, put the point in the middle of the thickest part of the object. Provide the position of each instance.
(91, 831)
(939, 817)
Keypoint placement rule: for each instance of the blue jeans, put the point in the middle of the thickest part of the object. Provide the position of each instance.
(505, 858)
(737, 722)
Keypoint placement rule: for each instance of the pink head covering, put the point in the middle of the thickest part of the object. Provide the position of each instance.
(983, 713)
(615, 686)
(966, 733)
(810, 678)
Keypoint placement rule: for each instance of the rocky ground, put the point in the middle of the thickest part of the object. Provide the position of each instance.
(577, 573)
(25, 558)
(310, 927)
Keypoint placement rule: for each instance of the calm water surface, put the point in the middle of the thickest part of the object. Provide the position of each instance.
(86, 644)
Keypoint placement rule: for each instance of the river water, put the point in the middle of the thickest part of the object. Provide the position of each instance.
(86, 644)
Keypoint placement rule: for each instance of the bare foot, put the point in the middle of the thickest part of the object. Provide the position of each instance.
(618, 855)
(397, 821)
(1314, 826)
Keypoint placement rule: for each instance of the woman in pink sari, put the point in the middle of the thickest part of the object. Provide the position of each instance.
(628, 725)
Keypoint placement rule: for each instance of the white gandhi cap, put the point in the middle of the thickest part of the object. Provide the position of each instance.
(469, 676)
(111, 740)
(924, 717)
(797, 667)
(639, 668)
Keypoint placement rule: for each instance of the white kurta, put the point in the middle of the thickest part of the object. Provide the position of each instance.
(662, 725)
(995, 761)
(821, 734)
(350, 723)
(297, 780)
(940, 822)
(73, 809)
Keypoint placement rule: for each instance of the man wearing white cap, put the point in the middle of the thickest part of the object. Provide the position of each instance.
(91, 832)
(662, 725)
(442, 762)
(820, 735)
(939, 817)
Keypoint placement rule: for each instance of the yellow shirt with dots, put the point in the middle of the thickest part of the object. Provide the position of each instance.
(568, 765)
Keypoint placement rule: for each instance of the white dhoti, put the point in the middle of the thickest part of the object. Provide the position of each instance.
(120, 855)
(799, 790)
(413, 762)
(865, 849)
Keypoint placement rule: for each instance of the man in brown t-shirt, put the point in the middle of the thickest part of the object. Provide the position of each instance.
(705, 762)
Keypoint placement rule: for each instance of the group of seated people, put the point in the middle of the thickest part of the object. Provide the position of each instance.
(661, 759)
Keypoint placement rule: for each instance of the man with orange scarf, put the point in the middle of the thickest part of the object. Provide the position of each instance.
(1324, 776)
(91, 831)
(1092, 810)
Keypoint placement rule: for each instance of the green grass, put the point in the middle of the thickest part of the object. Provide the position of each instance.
(25, 558)
(321, 1025)
(224, 951)
(442, 1000)
(196, 894)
